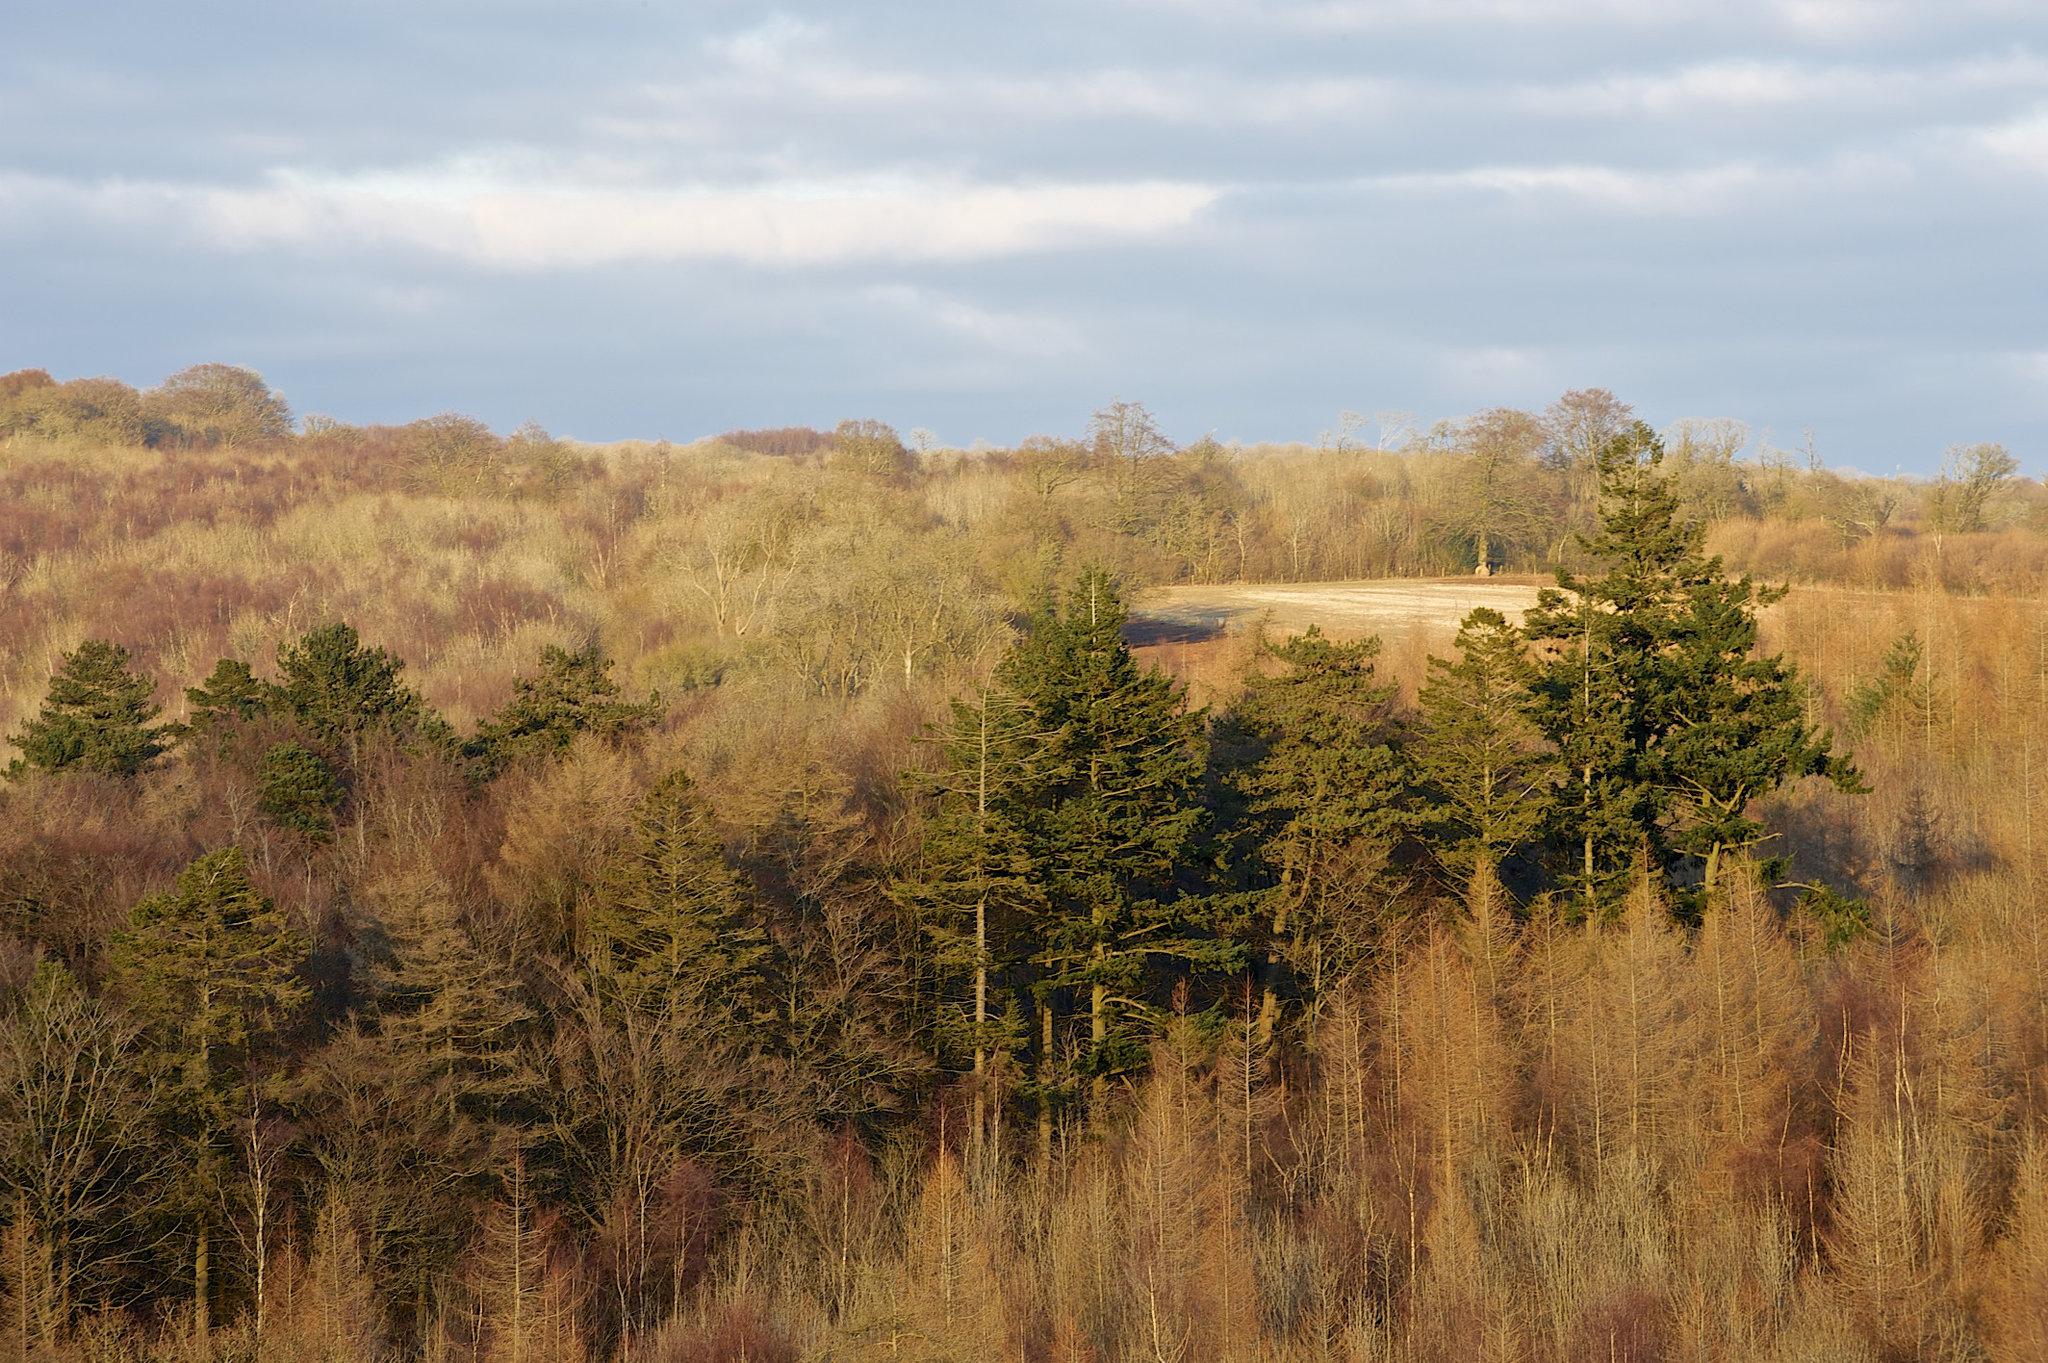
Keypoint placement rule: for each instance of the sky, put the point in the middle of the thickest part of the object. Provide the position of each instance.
(638, 219)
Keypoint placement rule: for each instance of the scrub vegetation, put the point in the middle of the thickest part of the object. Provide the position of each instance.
(506, 899)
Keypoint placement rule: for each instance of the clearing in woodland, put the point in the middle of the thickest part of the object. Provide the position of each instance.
(1344, 610)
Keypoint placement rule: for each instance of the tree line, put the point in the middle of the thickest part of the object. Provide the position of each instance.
(1498, 490)
(509, 1010)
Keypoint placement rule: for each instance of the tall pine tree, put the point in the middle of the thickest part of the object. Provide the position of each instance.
(1107, 816)
(97, 717)
(1667, 721)
(1486, 773)
(1324, 785)
(340, 690)
(973, 890)
(213, 971)
(573, 694)
(672, 917)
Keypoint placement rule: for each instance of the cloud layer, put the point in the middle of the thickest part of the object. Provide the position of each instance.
(670, 218)
(565, 226)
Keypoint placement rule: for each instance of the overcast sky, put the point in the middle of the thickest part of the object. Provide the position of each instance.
(637, 218)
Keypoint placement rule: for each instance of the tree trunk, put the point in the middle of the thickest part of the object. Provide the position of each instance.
(1269, 993)
(202, 1284)
(981, 934)
(1098, 1033)
(1045, 1080)
(980, 1018)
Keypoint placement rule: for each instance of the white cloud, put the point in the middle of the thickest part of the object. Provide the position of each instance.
(523, 227)
(2021, 143)
(1830, 21)
(1707, 190)
(1780, 85)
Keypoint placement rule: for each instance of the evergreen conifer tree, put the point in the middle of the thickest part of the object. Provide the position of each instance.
(96, 717)
(298, 790)
(455, 1021)
(1666, 721)
(973, 889)
(1324, 792)
(231, 695)
(231, 692)
(673, 916)
(411, 1119)
(340, 689)
(212, 970)
(1487, 774)
(573, 694)
(1110, 813)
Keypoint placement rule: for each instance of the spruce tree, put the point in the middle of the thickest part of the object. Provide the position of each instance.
(410, 1114)
(1109, 814)
(1324, 786)
(972, 889)
(1667, 722)
(455, 1021)
(672, 917)
(96, 717)
(1738, 729)
(1486, 772)
(212, 970)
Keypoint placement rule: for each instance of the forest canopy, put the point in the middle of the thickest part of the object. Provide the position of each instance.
(500, 897)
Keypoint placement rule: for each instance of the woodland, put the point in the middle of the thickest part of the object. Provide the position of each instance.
(506, 899)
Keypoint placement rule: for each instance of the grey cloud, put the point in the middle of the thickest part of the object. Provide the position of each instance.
(671, 218)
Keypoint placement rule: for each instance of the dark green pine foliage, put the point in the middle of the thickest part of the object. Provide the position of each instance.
(1487, 775)
(1666, 722)
(230, 693)
(213, 972)
(1599, 695)
(574, 694)
(97, 717)
(341, 690)
(297, 789)
(1324, 787)
(213, 969)
(673, 921)
(1108, 817)
(1737, 729)
(1901, 700)
(973, 891)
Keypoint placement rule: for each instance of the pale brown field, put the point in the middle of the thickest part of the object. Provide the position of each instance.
(1345, 610)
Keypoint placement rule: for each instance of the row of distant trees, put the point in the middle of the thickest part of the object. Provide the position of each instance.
(1514, 486)
(206, 404)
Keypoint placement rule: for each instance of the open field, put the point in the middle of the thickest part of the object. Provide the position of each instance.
(1190, 614)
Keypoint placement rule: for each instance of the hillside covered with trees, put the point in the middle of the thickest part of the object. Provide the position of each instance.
(486, 898)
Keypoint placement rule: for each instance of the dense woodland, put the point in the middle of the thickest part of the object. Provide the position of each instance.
(499, 898)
